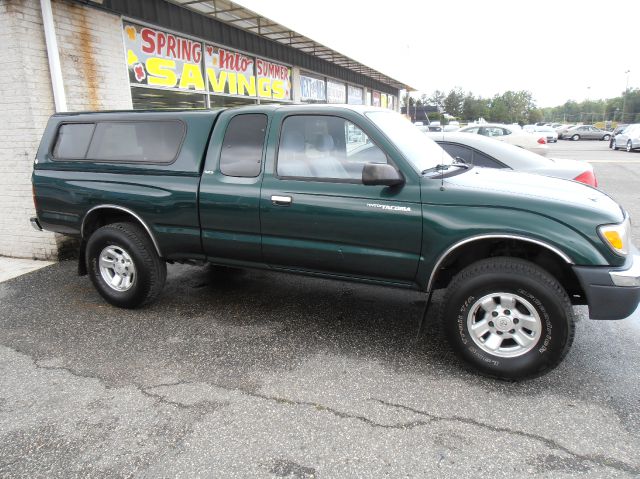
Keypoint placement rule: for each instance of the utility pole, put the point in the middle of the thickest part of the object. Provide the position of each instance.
(624, 98)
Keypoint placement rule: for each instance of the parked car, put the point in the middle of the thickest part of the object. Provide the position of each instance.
(550, 133)
(532, 142)
(586, 132)
(629, 138)
(481, 151)
(562, 129)
(279, 187)
(427, 128)
(617, 130)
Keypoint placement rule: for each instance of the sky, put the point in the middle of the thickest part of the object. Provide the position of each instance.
(558, 50)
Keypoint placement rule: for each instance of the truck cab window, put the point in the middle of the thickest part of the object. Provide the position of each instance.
(242, 145)
(325, 147)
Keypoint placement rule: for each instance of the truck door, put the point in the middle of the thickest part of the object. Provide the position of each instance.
(230, 188)
(317, 215)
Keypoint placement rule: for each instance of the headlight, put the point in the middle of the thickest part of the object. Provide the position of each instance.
(617, 237)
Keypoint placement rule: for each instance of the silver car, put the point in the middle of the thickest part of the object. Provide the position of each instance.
(586, 132)
(481, 151)
(629, 138)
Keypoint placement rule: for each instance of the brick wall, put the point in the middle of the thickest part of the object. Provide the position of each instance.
(93, 68)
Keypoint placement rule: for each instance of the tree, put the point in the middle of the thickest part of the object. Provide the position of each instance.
(437, 99)
(453, 102)
(474, 108)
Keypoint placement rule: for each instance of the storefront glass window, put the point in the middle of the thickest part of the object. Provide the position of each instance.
(336, 92)
(355, 95)
(376, 98)
(216, 101)
(152, 99)
(312, 90)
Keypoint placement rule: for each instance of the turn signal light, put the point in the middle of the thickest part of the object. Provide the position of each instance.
(617, 236)
(588, 178)
(542, 141)
(613, 237)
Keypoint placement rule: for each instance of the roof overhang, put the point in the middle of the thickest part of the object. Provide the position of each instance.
(242, 18)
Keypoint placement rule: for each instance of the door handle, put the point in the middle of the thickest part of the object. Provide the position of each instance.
(281, 200)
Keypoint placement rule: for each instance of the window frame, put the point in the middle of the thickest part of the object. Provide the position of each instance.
(57, 136)
(474, 151)
(264, 144)
(316, 178)
(95, 123)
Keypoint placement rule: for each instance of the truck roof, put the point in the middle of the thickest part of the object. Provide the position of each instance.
(216, 111)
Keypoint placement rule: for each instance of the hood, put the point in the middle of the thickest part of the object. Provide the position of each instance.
(565, 200)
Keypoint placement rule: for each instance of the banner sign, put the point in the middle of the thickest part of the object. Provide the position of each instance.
(274, 80)
(383, 100)
(312, 89)
(354, 95)
(336, 92)
(229, 72)
(164, 60)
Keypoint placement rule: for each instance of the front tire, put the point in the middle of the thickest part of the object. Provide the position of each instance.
(123, 265)
(606, 137)
(508, 318)
(575, 137)
(629, 146)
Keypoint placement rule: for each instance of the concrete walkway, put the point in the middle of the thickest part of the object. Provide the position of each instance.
(14, 267)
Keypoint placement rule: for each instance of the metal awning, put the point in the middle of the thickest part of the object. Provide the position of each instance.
(242, 18)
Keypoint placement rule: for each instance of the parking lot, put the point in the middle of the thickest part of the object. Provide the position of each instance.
(237, 374)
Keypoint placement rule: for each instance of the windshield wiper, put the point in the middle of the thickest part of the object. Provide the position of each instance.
(445, 167)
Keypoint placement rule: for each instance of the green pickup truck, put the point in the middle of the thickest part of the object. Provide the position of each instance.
(351, 193)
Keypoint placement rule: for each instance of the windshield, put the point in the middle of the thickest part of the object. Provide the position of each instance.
(420, 150)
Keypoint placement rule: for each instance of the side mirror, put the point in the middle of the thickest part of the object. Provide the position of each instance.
(381, 174)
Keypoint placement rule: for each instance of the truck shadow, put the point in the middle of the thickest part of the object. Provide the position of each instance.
(220, 325)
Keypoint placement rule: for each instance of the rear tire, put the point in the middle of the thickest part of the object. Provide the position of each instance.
(124, 266)
(508, 318)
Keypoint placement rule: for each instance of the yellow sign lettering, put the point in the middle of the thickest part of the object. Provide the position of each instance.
(233, 86)
(264, 88)
(279, 90)
(191, 76)
(161, 72)
(246, 86)
(217, 82)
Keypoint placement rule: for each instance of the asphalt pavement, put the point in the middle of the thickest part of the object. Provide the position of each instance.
(257, 374)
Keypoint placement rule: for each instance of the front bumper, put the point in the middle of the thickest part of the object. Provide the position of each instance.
(612, 293)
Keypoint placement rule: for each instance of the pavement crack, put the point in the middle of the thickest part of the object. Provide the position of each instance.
(597, 459)
(165, 400)
(281, 400)
(338, 413)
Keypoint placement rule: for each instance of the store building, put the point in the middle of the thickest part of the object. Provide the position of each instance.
(72, 55)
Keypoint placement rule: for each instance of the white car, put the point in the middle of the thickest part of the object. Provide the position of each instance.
(534, 142)
(549, 132)
(480, 151)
